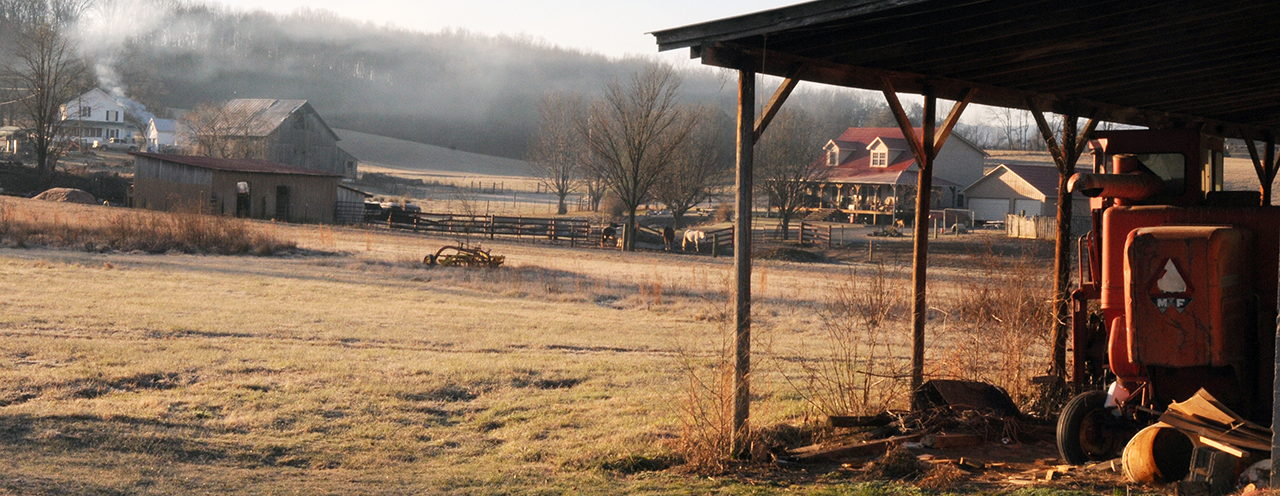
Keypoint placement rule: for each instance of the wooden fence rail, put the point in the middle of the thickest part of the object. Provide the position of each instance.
(491, 226)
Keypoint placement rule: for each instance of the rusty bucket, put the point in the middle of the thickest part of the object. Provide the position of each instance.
(1157, 454)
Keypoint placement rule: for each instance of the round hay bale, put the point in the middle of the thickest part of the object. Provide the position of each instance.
(69, 195)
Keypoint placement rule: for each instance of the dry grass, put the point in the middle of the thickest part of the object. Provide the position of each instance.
(364, 372)
(95, 228)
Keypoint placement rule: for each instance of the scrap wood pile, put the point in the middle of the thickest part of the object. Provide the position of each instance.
(936, 441)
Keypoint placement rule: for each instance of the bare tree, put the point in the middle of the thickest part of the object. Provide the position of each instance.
(634, 133)
(213, 130)
(698, 168)
(787, 162)
(48, 74)
(557, 150)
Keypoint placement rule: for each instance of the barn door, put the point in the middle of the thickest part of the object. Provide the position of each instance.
(242, 200)
(282, 203)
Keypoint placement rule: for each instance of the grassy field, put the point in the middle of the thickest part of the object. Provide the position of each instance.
(347, 367)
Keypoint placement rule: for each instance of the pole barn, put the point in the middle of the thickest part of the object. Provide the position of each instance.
(1210, 67)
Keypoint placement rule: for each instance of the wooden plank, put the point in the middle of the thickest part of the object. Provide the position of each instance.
(869, 448)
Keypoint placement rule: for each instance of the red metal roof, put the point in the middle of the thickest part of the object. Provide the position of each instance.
(235, 165)
(855, 159)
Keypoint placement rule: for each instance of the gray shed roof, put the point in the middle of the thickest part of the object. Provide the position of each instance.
(264, 115)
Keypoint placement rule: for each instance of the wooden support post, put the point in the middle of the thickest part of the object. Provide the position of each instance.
(742, 263)
(1064, 158)
(924, 148)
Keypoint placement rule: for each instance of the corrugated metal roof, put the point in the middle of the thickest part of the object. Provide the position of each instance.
(881, 176)
(264, 115)
(1163, 64)
(235, 165)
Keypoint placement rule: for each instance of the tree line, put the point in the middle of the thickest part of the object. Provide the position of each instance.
(642, 142)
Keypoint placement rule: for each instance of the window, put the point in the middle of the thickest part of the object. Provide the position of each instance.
(86, 112)
(833, 156)
(879, 159)
(1171, 167)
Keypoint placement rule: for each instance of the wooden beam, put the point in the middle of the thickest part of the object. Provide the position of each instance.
(742, 264)
(1047, 133)
(775, 104)
(828, 72)
(1269, 168)
(904, 123)
(953, 117)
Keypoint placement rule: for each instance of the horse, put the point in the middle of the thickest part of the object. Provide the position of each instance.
(668, 237)
(693, 236)
(607, 234)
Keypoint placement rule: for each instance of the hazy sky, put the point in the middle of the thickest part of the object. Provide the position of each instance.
(610, 27)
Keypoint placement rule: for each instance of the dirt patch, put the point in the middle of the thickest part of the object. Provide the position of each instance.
(787, 254)
(68, 195)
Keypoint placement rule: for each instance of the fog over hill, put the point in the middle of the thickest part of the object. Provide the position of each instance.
(452, 89)
(419, 157)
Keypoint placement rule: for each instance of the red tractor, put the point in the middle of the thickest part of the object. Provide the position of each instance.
(1177, 290)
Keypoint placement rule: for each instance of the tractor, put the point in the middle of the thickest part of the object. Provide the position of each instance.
(1177, 290)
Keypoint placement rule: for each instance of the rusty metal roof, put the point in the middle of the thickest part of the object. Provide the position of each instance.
(235, 165)
(1167, 64)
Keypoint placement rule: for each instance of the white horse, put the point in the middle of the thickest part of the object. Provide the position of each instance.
(693, 236)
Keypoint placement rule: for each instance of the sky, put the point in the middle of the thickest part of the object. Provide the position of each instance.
(615, 28)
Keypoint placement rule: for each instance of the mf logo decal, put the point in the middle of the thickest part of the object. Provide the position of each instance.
(1170, 289)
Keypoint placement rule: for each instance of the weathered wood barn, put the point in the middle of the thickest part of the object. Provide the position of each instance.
(1209, 66)
(253, 189)
(287, 132)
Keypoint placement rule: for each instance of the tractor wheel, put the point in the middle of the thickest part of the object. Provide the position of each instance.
(1087, 431)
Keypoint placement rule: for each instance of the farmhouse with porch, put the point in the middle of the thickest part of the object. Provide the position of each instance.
(874, 174)
(95, 116)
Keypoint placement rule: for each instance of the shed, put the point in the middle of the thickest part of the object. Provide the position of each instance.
(1022, 189)
(350, 206)
(1172, 64)
(162, 134)
(244, 188)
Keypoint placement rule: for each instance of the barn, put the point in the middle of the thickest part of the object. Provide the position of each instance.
(1021, 189)
(288, 132)
(253, 189)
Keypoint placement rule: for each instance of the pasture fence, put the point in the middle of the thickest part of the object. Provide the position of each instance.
(491, 226)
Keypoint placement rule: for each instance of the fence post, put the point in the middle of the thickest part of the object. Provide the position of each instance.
(715, 244)
(828, 237)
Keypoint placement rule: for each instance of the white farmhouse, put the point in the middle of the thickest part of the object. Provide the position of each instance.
(95, 117)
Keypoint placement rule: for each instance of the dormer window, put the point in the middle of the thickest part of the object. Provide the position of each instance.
(833, 156)
(879, 158)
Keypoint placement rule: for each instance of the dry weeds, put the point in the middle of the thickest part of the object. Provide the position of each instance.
(365, 372)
